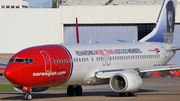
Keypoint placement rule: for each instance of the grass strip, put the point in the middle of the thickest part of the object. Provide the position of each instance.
(6, 87)
(10, 87)
(58, 88)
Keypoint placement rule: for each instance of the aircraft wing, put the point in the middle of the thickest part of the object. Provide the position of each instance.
(160, 68)
(108, 73)
(3, 63)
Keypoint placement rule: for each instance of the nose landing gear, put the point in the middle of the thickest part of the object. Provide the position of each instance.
(27, 96)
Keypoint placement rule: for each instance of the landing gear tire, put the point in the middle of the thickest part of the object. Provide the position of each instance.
(27, 96)
(70, 90)
(78, 90)
(130, 94)
(74, 89)
(122, 94)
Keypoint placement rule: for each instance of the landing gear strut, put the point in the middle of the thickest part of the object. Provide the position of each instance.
(27, 96)
(74, 89)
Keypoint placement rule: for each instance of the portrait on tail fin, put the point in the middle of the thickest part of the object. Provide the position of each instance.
(170, 20)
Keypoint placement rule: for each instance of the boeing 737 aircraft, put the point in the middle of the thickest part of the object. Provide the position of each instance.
(121, 65)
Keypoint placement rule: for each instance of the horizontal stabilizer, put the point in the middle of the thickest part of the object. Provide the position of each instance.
(175, 48)
(122, 40)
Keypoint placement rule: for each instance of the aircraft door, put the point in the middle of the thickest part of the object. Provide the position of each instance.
(103, 60)
(108, 59)
(47, 61)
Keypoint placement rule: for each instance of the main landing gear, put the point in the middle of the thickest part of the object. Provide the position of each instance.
(128, 94)
(74, 89)
(27, 96)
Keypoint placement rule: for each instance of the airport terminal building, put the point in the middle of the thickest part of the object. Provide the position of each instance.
(100, 21)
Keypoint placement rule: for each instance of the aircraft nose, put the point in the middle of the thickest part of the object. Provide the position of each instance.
(12, 74)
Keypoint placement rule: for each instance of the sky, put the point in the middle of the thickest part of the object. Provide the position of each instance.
(40, 3)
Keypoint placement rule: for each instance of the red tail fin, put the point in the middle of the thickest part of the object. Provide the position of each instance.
(77, 32)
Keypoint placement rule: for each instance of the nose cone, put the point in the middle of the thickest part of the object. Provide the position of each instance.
(12, 73)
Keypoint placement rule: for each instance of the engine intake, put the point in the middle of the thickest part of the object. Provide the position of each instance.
(125, 82)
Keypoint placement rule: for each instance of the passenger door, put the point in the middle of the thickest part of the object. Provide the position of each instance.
(47, 61)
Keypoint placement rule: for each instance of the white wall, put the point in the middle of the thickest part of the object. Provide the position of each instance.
(22, 28)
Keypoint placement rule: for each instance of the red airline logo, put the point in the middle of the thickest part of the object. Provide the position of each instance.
(157, 50)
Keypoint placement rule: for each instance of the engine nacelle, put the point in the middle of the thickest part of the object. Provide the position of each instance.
(125, 82)
(20, 89)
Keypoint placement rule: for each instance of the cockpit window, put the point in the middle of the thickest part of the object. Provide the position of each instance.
(27, 60)
(11, 60)
(19, 60)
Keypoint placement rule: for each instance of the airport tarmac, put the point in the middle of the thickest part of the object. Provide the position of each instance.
(153, 89)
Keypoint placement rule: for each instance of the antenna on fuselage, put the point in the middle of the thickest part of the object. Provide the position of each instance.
(77, 31)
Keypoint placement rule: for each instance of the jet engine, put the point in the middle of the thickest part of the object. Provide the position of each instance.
(125, 82)
(40, 89)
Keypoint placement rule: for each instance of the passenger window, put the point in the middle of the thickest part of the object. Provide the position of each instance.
(62, 60)
(92, 59)
(54, 60)
(100, 59)
(79, 59)
(67, 60)
(59, 60)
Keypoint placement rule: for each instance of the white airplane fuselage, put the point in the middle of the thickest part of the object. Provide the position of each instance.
(89, 58)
